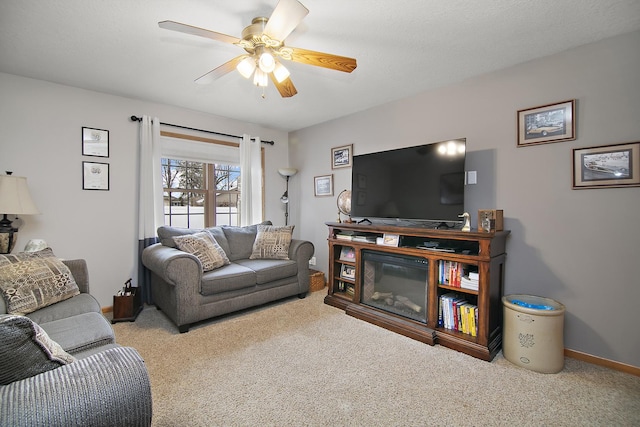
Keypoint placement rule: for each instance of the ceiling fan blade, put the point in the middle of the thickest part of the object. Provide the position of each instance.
(286, 87)
(197, 31)
(216, 73)
(326, 60)
(285, 18)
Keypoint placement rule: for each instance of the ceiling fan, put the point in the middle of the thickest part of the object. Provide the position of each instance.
(263, 42)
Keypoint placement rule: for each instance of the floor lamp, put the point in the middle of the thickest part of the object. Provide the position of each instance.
(287, 173)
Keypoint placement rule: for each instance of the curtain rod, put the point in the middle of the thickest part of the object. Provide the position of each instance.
(139, 119)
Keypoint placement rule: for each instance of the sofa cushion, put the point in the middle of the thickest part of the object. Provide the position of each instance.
(26, 349)
(228, 278)
(81, 332)
(166, 234)
(268, 270)
(272, 242)
(32, 280)
(204, 247)
(241, 240)
(83, 303)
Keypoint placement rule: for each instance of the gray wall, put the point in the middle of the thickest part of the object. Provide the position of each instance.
(579, 247)
(41, 126)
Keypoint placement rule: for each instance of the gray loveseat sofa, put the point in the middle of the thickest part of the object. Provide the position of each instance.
(74, 373)
(188, 294)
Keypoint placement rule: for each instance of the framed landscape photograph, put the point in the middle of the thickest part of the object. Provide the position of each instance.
(323, 185)
(95, 176)
(616, 165)
(95, 142)
(341, 156)
(546, 124)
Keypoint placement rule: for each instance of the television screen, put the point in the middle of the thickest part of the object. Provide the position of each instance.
(422, 183)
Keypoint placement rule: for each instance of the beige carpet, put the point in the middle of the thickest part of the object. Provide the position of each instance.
(303, 363)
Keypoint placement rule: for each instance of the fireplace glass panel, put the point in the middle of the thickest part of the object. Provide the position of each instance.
(395, 283)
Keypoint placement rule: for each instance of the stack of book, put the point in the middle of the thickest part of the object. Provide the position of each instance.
(457, 275)
(470, 281)
(457, 314)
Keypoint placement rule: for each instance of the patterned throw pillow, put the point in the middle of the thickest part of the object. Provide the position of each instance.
(32, 280)
(204, 247)
(26, 349)
(272, 242)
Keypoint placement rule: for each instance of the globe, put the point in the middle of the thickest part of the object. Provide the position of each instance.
(344, 204)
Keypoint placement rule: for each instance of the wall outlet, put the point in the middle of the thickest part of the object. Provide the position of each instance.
(312, 261)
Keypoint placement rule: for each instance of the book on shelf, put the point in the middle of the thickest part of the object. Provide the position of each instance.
(364, 238)
(457, 314)
(341, 236)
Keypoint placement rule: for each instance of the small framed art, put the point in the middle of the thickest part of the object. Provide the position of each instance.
(348, 272)
(323, 185)
(95, 176)
(95, 142)
(546, 124)
(341, 156)
(347, 253)
(390, 239)
(616, 165)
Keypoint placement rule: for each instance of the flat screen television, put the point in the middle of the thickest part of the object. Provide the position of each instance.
(422, 184)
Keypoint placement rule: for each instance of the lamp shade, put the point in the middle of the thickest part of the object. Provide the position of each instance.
(287, 171)
(15, 197)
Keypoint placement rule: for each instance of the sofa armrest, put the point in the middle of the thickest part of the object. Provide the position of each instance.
(301, 251)
(110, 388)
(80, 273)
(163, 260)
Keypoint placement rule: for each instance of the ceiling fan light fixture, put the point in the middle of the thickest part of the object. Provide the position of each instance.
(267, 62)
(260, 78)
(280, 72)
(246, 67)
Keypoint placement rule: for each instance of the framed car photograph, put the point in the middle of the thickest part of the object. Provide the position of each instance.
(323, 185)
(95, 176)
(616, 165)
(547, 124)
(341, 156)
(95, 142)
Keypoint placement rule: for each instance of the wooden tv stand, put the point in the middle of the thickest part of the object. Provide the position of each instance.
(481, 251)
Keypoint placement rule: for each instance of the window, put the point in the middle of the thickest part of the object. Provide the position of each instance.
(199, 195)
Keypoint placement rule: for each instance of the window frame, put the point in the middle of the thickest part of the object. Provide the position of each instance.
(209, 191)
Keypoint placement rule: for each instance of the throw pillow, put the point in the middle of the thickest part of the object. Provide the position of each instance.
(204, 247)
(272, 242)
(26, 349)
(241, 239)
(32, 280)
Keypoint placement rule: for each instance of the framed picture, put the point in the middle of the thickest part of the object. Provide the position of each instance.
(348, 272)
(341, 156)
(347, 254)
(390, 239)
(323, 185)
(95, 176)
(95, 142)
(616, 165)
(546, 124)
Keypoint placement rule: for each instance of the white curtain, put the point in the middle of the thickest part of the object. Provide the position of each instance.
(150, 205)
(251, 181)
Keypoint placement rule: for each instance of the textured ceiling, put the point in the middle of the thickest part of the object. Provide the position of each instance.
(403, 47)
